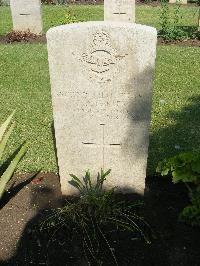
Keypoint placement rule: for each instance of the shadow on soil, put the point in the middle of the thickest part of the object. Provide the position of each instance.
(173, 243)
(14, 189)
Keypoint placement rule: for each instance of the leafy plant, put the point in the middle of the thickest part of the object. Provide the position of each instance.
(5, 132)
(93, 219)
(164, 17)
(86, 188)
(185, 167)
(170, 24)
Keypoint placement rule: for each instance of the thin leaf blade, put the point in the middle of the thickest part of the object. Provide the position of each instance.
(5, 139)
(5, 125)
(11, 168)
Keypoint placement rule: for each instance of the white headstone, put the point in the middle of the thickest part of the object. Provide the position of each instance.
(101, 83)
(119, 10)
(183, 2)
(26, 15)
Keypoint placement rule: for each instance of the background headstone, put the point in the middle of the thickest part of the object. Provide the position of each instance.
(183, 2)
(119, 10)
(101, 81)
(26, 15)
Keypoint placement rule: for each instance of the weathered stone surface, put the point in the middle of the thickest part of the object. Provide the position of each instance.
(119, 10)
(101, 81)
(26, 15)
(183, 2)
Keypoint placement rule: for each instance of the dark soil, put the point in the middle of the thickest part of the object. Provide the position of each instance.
(189, 42)
(42, 39)
(39, 39)
(175, 243)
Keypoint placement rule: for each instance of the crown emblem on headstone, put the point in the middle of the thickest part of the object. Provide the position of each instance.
(101, 57)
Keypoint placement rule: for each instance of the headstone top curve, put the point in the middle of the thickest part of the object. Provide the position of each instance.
(107, 24)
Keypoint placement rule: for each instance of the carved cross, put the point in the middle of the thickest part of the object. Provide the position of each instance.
(102, 145)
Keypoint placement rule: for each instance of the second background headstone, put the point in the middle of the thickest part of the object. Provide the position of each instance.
(119, 10)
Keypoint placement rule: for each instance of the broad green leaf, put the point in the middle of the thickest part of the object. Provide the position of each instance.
(10, 170)
(5, 125)
(165, 171)
(4, 140)
(183, 175)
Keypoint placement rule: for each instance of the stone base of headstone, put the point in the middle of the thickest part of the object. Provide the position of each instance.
(26, 15)
(101, 83)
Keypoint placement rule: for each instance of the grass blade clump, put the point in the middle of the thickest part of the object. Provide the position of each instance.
(5, 132)
(95, 218)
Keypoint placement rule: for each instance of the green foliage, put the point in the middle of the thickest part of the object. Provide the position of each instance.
(170, 20)
(68, 18)
(93, 217)
(5, 133)
(86, 188)
(185, 167)
(52, 14)
(191, 213)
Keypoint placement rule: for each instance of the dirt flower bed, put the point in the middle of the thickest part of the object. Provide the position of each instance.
(27, 37)
(173, 243)
(22, 37)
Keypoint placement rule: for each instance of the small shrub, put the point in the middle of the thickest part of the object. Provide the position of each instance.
(170, 24)
(185, 167)
(94, 217)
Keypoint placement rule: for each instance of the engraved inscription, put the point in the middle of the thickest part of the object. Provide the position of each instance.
(119, 13)
(101, 58)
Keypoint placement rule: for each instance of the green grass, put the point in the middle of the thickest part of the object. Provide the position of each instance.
(176, 108)
(25, 86)
(54, 15)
